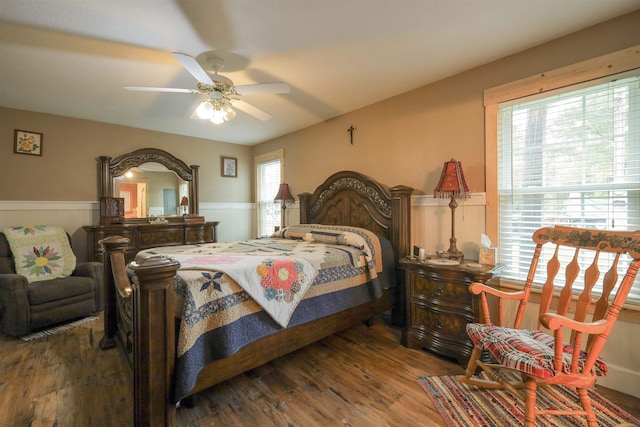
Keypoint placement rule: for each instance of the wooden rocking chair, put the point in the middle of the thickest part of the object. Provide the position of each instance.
(537, 357)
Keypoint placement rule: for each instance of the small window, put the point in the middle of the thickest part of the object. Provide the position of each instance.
(269, 173)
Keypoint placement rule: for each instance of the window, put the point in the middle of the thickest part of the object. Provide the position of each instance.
(269, 173)
(568, 156)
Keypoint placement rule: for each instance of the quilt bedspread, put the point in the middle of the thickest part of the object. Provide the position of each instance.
(231, 294)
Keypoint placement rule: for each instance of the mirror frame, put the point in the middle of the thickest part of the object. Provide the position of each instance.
(111, 168)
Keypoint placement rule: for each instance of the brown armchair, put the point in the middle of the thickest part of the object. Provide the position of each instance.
(27, 307)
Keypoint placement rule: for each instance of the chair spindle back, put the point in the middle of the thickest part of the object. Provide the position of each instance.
(592, 247)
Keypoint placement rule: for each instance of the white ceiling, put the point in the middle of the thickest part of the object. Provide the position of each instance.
(73, 57)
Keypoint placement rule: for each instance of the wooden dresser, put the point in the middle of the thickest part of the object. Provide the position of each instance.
(146, 235)
(439, 305)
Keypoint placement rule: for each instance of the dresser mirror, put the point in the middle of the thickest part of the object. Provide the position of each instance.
(147, 184)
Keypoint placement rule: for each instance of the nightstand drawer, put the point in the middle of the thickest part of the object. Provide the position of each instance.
(429, 288)
(432, 320)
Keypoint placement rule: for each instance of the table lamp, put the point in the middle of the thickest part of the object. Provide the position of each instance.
(286, 198)
(452, 185)
(184, 204)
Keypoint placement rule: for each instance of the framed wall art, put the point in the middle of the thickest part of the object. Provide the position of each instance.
(229, 167)
(27, 142)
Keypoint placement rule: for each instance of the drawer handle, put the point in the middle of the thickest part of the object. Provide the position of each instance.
(438, 291)
(440, 324)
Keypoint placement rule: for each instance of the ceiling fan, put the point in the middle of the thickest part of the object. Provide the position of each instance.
(222, 93)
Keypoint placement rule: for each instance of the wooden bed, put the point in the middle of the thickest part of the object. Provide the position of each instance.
(143, 326)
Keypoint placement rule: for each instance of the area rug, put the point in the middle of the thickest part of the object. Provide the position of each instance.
(462, 405)
(57, 329)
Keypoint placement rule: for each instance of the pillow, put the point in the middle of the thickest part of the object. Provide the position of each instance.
(330, 235)
(336, 238)
(345, 235)
(316, 233)
(41, 252)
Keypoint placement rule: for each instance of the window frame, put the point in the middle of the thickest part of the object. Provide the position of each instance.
(263, 158)
(596, 68)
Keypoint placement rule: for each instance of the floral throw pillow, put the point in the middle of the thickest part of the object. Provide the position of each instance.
(41, 252)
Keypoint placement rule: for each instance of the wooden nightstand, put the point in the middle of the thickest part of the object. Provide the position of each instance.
(439, 305)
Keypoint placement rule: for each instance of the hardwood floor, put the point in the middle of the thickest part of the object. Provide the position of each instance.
(360, 377)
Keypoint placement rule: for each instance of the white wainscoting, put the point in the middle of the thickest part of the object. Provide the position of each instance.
(69, 215)
(236, 220)
(431, 223)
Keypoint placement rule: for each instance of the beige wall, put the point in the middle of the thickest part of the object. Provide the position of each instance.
(405, 140)
(68, 168)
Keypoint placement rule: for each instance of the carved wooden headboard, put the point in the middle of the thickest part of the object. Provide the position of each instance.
(351, 198)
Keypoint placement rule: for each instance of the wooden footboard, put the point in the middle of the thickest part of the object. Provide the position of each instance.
(148, 335)
(147, 338)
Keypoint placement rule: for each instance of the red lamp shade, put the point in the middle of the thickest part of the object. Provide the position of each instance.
(452, 183)
(184, 201)
(286, 198)
(284, 194)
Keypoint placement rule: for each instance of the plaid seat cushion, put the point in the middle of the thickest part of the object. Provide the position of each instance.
(529, 351)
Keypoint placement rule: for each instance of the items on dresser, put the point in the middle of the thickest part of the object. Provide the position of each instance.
(439, 305)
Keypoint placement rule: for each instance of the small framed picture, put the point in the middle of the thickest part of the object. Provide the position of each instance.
(26, 142)
(229, 167)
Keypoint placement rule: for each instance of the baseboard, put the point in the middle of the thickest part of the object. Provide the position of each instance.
(621, 379)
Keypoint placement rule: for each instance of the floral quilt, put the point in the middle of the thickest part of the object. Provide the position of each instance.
(269, 273)
(231, 294)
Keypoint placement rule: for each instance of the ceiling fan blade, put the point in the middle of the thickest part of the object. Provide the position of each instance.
(251, 110)
(160, 89)
(192, 66)
(278, 87)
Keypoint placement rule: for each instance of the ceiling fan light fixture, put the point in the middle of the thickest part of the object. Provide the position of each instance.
(205, 109)
(220, 90)
(218, 115)
(229, 113)
(217, 119)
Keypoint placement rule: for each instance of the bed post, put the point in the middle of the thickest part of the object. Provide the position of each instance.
(154, 341)
(401, 220)
(110, 245)
(303, 199)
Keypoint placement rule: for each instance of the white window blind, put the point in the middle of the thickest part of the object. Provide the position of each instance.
(569, 157)
(268, 176)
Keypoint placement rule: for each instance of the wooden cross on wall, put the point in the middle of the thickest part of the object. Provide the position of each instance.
(350, 130)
